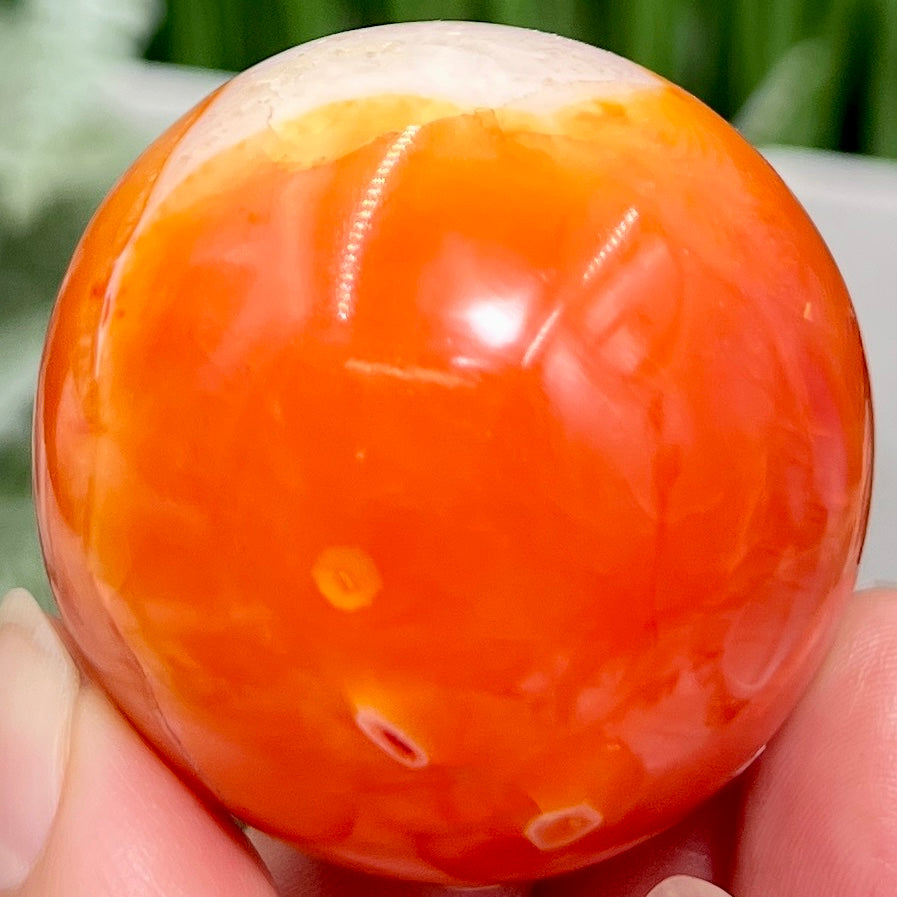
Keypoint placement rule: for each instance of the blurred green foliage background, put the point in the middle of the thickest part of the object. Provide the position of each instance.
(809, 72)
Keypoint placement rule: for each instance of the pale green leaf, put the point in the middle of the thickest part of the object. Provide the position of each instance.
(61, 147)
(20, 557)
(57, 137)
(797, 102)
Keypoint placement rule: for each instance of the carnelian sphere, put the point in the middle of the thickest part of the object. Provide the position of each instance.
(453, 450)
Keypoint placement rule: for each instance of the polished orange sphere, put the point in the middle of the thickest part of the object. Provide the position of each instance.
(453, 450)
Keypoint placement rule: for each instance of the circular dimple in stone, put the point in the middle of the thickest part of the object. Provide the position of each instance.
(558, 828)
(347, 577)
(390, 738)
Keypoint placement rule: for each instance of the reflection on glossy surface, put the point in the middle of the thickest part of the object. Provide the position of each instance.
(464, 502)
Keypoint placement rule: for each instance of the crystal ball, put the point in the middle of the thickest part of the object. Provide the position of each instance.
(452, 450)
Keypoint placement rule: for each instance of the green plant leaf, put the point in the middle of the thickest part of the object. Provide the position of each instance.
(20, 559)
(60, 149)
(797, 100)
(880, 135)
(57, 138)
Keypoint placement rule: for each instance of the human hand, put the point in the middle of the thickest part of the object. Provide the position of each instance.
(86, 808)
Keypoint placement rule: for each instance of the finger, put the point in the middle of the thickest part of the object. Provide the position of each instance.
(699, 847)
(297, 875)
(686, 886)
(86, 807)
(821, 818)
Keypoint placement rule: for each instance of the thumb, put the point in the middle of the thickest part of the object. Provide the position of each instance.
(87, 808)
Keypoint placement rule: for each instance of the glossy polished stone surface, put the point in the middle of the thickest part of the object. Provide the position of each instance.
(459, 491)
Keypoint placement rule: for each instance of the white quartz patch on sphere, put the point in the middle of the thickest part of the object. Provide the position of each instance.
(471, 65)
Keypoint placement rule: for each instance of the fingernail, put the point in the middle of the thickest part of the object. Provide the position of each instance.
(686, 886)
(38, 687)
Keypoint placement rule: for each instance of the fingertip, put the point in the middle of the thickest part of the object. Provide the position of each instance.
(40, 688)
(820, 818)
(123, 823)
(686, 886)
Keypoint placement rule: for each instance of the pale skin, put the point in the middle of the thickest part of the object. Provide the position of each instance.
(814, 817)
